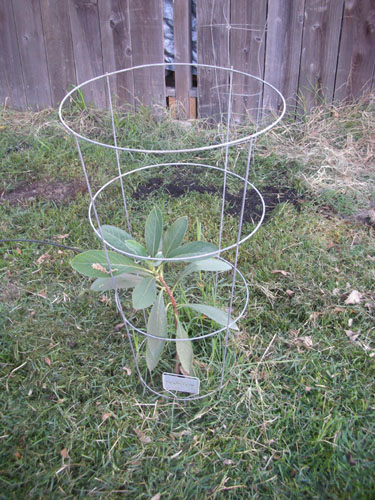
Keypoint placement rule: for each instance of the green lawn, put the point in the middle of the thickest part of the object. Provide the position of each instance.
(296, 418)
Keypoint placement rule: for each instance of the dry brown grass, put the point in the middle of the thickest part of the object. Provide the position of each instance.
(27, 121)
(335, 144)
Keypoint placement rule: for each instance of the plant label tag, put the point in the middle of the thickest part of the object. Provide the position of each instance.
(181, 383)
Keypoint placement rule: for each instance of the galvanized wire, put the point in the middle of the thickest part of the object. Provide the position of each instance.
(170, 151)
(178, 259)
(122, 177)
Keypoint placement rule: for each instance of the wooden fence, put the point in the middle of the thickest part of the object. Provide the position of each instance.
(314, 49)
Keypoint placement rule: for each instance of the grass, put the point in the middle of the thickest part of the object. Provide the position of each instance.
(296, 417)
(335, 146)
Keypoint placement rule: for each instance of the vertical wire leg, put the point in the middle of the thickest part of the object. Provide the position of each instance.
(250, 157)
(117, 154)
(117, 299)
(243, 204)
(119, 165)
(225, 170)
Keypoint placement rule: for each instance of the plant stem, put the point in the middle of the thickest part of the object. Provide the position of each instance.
(168, 290)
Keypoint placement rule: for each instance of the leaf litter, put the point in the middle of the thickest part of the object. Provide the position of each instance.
(142, 436)
(354, 297)
(354, 336)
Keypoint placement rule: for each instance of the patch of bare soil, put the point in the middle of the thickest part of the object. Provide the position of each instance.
(365, 217)
(253, 208)
(10, 292)
(45, 189)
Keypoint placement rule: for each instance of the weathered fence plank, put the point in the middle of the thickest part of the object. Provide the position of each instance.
(284, 37)
(59, 47)
(357, 50)
(28, 22)
(213, 19)
(182, 48)
(321, 35)
(117, 47)
(12, 89)
(84, 19)
(146, 28)
(318, 49)
(248, 32)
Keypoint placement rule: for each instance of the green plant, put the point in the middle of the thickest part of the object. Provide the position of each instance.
(148, 279)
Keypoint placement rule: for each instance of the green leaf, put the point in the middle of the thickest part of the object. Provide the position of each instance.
(156, 263)
(116, 237)
(123, 241)
(135, 248)
(122, 281)
(153, 231)
(205, 265)
(157, 325)
(93, 263)
(214, 313)
(184, 349)
(174, 235)
(144, 293)
(192, 249)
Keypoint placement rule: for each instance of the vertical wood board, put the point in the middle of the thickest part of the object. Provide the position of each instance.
(284, 37)
(182, 45)
(328, 46)
(146, 28)
(28, 22)
(117, 47)
(11, 78)
(357, 50)
(248, 20)
(84, 20)
(213, 19)
(59, 47)
(321, 35)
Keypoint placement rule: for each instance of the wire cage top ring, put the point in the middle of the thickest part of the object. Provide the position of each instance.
(225, 142)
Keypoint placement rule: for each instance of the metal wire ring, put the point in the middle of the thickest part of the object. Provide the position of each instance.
(199, 337)
(177, 259)
(193, 397)
(188, 150)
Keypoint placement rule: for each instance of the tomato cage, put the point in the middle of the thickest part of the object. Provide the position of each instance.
(143, 162)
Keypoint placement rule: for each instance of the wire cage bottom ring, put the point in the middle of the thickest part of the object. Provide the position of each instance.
(211, 355)
(209, 368)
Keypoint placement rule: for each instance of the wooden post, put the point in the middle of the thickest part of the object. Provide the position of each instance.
(84, 19)
(117, 48)
(146, 28)
(284, 36)
(12, 89)
(356, 63)
(321, 35)
(248, 41)
(59, 48)
(182, 48)
(213, 48)
(32, 50)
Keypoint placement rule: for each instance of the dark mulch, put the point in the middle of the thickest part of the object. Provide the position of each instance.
(253, 209)
(65, 192)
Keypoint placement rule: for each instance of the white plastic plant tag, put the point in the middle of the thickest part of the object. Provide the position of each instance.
(181, 383)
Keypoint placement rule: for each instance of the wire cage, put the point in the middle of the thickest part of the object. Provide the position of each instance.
(140, 156)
